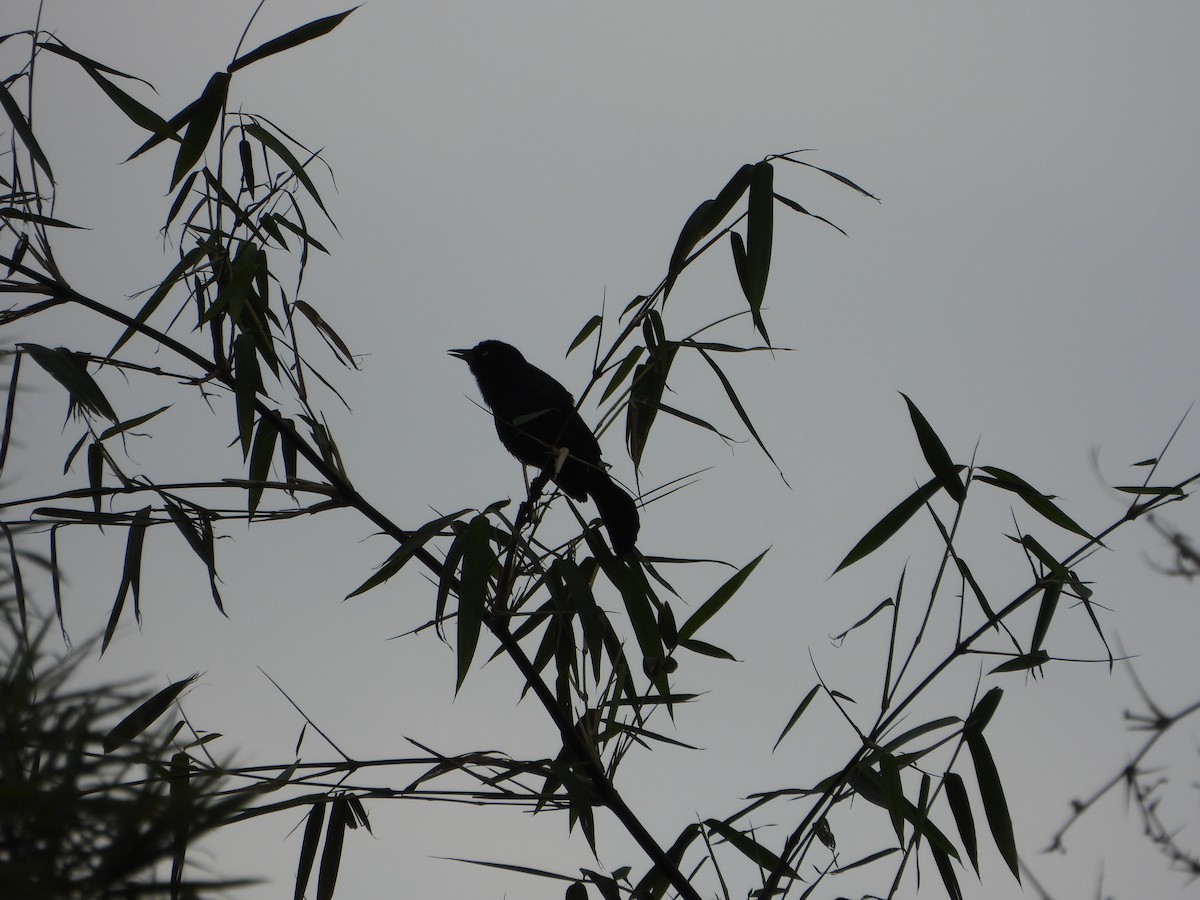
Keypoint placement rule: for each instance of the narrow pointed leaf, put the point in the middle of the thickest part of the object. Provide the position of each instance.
(293, 38)
(1037, 501)
(960, 807)
(67, 369)
(750, 848)
(1022, 663)
(585, 332)
(995, 807)
(261, 454)
(935, 453)
(200, 127)
(883, 530)
(281, 150)
(308, 848)
(719, 598)
(803, 705)
(478, 560)
(984, 710)
(946, 871)
(180, 270)
(144, 716)
(740, 410)
(707, 216)
(247, 384)
(23, 130)
(331, 856)
(760, 228)
(1049, 604)
(401, 555)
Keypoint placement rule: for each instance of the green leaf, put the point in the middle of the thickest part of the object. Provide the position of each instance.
(622, 372)
(1022, 663)
(720, 597)
(23, 130)
(134, 110)
(308, 848)
(759, 239)
(750, 848)
(246, 385)
(883, 530)
(68, 370)
(740, 410)
(995, 807)
(128, 424)
(893, 793)
(478, 560)
(1049, 604)
(327, 332)
(585, 332)
(935, 454)
(293, 38)
(808, 698)
(144, 716)
(406, 551)
(11, 212)
(95, 464)
(203, 119)
(960, 807)
(331, 856)
(261, 454)
(1035, 499)
(707, 216)
(946, 871)
(180, 270)
(983, 711)
(649, 382)
(277, 147)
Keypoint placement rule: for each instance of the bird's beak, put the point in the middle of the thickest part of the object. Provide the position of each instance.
(465, 355)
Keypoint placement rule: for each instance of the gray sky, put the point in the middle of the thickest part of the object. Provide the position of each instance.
(1029, 280)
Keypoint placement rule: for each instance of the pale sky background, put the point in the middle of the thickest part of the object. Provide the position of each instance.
(1029, 279)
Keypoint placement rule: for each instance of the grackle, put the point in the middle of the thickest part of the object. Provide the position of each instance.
(537, 421)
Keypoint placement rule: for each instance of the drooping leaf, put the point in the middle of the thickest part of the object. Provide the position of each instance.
(478, 560)
(327, 332)
(68, 370)
(180, 270)
(995, 807)
(308, 848)
(1050, 595)
(23, 130)
(276, 146)
(649, 382)
(261, 453)
(406, 551)
(759, 240)
(144, 716)
(331, 856)
(740, 410)
(960, 808)
(984, 710)
(946, 871)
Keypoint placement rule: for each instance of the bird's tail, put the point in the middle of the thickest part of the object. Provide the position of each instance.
(619, 512)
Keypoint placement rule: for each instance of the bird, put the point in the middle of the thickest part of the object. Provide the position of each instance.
(536, 420)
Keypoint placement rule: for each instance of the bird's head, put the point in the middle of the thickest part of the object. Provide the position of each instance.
(490, 356)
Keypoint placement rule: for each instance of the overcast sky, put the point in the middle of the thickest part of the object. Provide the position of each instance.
(1029, 279)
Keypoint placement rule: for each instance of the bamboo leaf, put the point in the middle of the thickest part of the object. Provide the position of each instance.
(760, 226)
(308, 848)
(883, 530)
(707, 216)
(180, 270)
(799, 711)
(740, 410)
(68, 370)
(478, 560)
(23, 130)
(144, 716)
(277, 147)
(261, 454)
(995, 807)
(750, 848)
(246, 385)
(585, 332)
(719, 598)
(1035, 499)
(1022, 663)
(935, 453)
(202, 121)
(946, 871)
(293, 38)
(960, 808)
(331, 856)
(406, 551)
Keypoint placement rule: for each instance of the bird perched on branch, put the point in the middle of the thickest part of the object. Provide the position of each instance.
(537, 423)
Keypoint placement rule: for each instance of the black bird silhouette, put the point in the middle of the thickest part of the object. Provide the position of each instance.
(536, 420)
